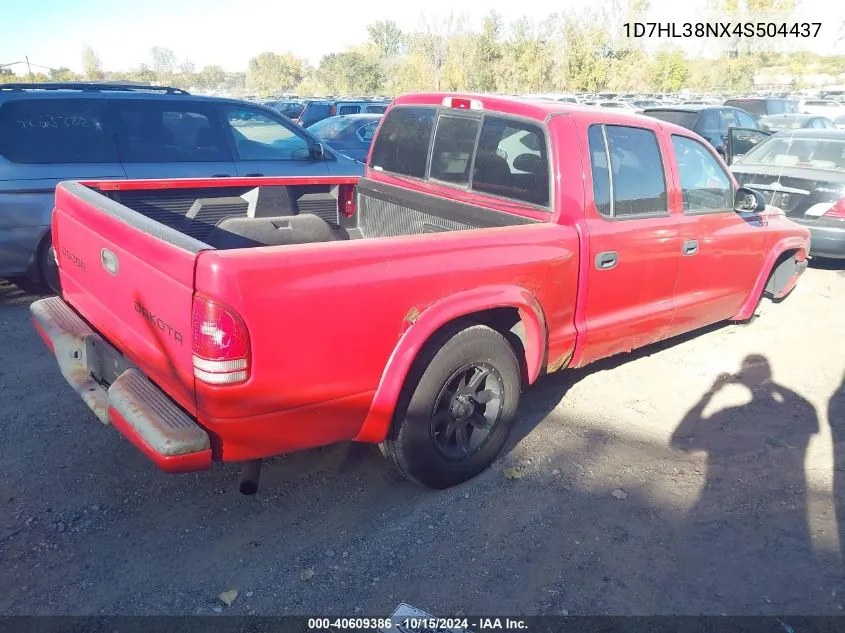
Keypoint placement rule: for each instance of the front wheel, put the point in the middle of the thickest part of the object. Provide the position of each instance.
(457, 409)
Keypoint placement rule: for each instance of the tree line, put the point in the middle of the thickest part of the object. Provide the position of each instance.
(576, 51)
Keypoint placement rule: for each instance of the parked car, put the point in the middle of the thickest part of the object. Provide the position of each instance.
(55, 132)
(821, 107)
(781, 122)
(318, 110)
(763, 106)
(710, 122)
(413, 311)
(291, 109)
(618, 105)
(839, 122)
(803, 173)
(348, 134)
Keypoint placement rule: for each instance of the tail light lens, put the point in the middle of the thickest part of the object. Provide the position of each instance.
(220, 343)
(837, 210)
(346, 201)
(333, 111)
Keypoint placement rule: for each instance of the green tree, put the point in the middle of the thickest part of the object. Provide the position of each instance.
(354, 72)
(669, 71)
(268, 72)
(487, 55)
(164, 62)
(92, 67)
(432, 44)
(62, 74)
(387, 37)
(211, 77)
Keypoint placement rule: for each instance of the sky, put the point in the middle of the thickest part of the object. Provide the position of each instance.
(229, 32)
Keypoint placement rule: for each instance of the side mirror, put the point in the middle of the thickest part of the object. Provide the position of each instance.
(318, 152)
(749, 201)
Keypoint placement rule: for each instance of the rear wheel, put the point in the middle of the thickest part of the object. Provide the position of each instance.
(48, 270)
(457, 409)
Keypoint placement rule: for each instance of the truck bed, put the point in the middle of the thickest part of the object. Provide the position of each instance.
(242, 215)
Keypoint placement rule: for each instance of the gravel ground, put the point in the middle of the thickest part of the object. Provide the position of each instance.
(629, 487)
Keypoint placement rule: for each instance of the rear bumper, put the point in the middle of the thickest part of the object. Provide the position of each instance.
(131, 403)
(826, 240)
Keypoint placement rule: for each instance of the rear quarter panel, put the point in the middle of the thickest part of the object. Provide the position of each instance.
(153, 275)
(324, 319)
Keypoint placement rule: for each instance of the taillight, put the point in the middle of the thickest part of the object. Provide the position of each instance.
(346, 201)
(333, 111)
(837, 210)
(220, 343)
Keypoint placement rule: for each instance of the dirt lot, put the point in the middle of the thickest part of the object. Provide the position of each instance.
(633, 490)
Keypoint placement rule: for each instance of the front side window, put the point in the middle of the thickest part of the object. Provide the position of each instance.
(636, 182)
(454, 143)
(401, 146)
(705, 185)
(745, 120)
(258, 136)
(512, 161)
(168, 132)
(55, 131)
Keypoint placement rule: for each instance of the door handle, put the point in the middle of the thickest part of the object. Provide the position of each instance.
(221, 176)
(606, 260)
(690, 247)
(255, 175)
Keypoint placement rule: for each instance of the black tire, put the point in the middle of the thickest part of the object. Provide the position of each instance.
(438, 395)
(48, 271)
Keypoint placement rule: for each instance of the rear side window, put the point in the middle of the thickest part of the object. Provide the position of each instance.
(167, 132)
(55, 131)
(316, 111)
(754, 107)
(348, 109)
(401, 146)
(375, 109)
(684, 118)
(512, 161)
(636, 182)
(454, 143)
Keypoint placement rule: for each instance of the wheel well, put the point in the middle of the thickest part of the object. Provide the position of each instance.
(505, 320)
(780, 274)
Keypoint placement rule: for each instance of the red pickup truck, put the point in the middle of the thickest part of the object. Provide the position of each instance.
(493, 240)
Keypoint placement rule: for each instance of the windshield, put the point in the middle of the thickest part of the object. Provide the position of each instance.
(328, 128)
(814, 153)
(678, 117)
(761, 107)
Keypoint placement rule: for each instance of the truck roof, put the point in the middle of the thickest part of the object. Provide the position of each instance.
(537, 109)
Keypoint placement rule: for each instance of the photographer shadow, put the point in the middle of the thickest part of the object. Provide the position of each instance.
(751, 518)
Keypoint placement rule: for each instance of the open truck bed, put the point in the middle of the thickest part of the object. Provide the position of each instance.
(230, 297)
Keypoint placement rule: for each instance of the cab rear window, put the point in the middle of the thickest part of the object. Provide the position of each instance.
(55, 131)
(401, 146)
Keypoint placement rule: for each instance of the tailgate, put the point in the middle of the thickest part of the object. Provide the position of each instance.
(132, 279)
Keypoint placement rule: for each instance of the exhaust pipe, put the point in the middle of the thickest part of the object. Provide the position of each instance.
(249, 477)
